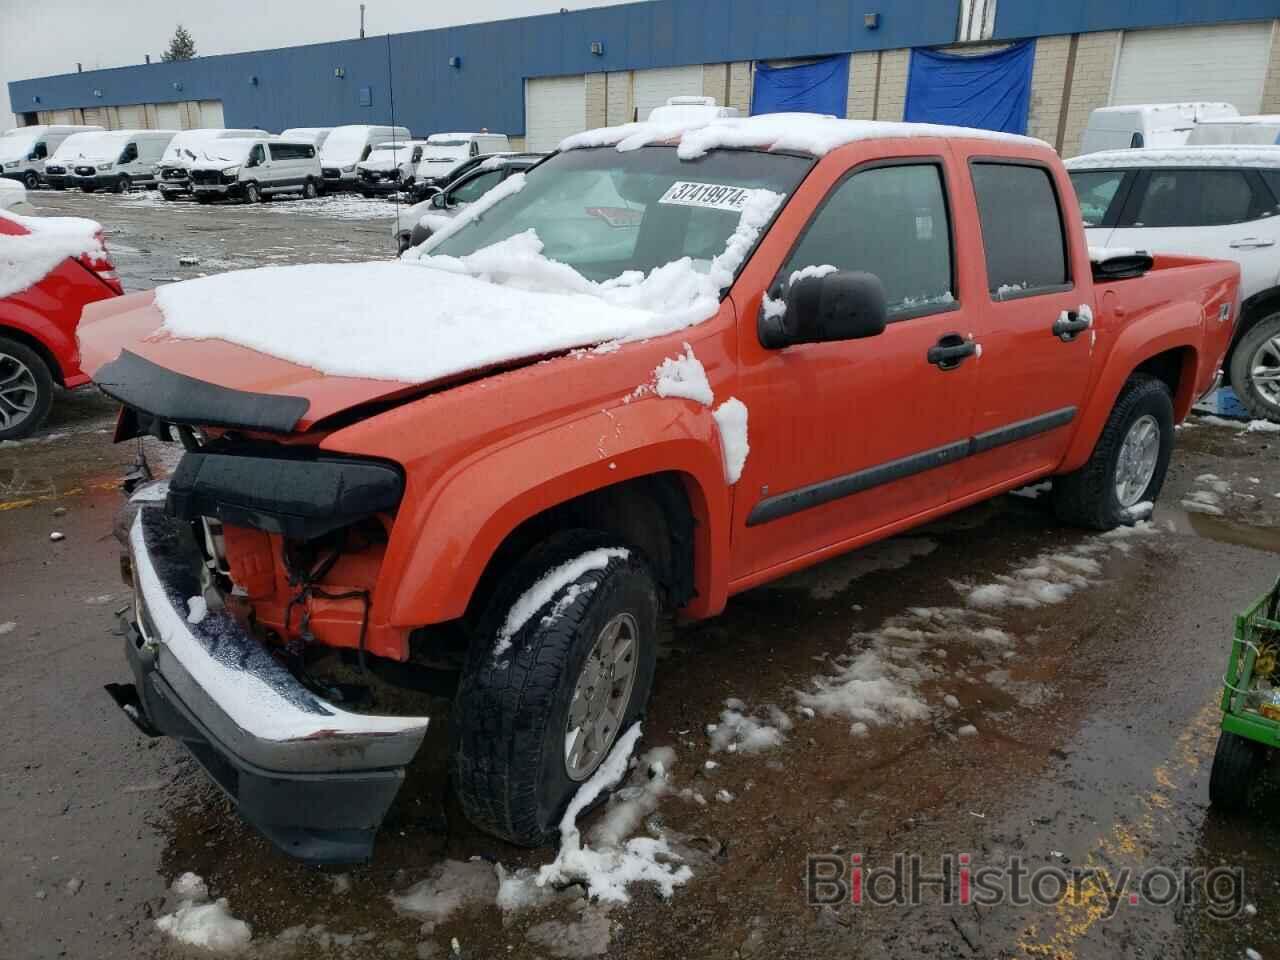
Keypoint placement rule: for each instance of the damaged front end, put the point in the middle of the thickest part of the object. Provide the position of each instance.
(255, 556)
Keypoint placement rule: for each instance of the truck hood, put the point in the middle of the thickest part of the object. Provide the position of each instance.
(132, 359)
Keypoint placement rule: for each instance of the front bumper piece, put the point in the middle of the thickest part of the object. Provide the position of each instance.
(316, 780)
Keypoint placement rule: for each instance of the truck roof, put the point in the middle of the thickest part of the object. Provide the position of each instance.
(1190, 156)
(799, 132)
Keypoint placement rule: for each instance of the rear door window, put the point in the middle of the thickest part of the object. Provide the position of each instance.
(1099, 194)
(1022, 229)
(1198, 198)
(891, 221)
(475, 188)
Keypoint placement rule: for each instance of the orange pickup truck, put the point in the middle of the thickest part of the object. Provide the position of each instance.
(663, 367)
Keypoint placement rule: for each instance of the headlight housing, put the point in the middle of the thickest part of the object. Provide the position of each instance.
(232, 172)
(105, 166)
(348, 169)
(12, 165)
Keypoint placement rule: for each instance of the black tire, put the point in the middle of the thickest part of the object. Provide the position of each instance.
(203, 198)
(169, 195)
(1087, 497)
(13, 353)
(1268, 328)
(123, 184)
(31, 180)
(252, 194)
(84, 188)
(309, 191)
(507, 738)
(366, 194)
(1236, 763)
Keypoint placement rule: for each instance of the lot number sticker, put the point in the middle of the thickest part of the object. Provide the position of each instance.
(712, 196)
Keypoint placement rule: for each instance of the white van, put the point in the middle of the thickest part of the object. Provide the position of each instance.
(1148, 124)
(24, 150)
(1258, 130)
(445, 152)
(347, 146)
(313, 135)
(690, 109)
(173, 170)
(256, 169)
(118, 159)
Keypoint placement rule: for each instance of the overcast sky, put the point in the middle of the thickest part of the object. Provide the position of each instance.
(42, 37)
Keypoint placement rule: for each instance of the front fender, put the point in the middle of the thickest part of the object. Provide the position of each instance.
(1175, 326)
(439, 551)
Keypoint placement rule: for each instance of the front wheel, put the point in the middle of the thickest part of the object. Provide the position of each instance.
(562, 665)
(30, 180)
(252, 194)
(26, 390)
(1255, 368)
(1129, 461)
(123, 185)
(309, 191)
(168, 195)
(1236, 763)
(85, 188)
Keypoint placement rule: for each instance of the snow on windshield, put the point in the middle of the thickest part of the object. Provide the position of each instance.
(101, 146)
(16, 146)
(185, 146)
(344, 145)
(427, 317)
(73, 146)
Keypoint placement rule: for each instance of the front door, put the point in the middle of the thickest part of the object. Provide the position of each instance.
(1037, 340)
(848, 438)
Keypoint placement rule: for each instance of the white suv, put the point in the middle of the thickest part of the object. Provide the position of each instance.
(1220, 202)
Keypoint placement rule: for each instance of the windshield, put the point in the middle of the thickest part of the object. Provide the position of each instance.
(344, 145)
(604, 212)
(101, 146)
(71, 147)
(17, 145)
(229, 150)
(185, 146)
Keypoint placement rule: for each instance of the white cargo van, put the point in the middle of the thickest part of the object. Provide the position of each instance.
(24, 150)
(118, 159)
(57, 169)
(173, 170)
(1148, 124)
(256, 169)
(347, 146)
(445, 152)
(313, 135)
(690, 109)
(1261, 130)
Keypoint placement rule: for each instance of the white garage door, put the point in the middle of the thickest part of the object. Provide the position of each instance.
(1226, 63)
(554, 108)
(168, 116)
(131, 118)
(654, 87)
(211, 114)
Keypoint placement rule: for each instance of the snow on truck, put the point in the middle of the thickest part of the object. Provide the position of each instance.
(563, 419)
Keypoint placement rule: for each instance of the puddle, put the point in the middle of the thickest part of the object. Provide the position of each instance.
(1221, 530)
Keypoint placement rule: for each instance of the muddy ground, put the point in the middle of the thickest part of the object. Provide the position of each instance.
(1095, 721)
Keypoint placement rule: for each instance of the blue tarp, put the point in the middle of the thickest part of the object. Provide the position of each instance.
(991, 91)
(818, 87)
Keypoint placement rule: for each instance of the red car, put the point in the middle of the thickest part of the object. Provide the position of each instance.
(50, 269)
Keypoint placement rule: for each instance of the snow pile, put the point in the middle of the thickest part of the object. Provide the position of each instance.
(731, 419)
(199, 923)
(26, 259)
(1262, 426)
(801, 132)
(1099, 254)
(881, 684)
(427, 317)
(1049, 579)
(609, 865)
(8, 627)
(683, 376)
(547, 586)
(738, 732)
(1204, 156)
(451, 886)
(197, 609)
(1208, 499)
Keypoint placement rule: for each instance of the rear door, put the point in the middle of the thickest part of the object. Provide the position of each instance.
(1032, 378)
(850, 438)
(1223, 213)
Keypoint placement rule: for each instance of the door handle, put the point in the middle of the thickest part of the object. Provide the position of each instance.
(951, 351)
(1251, 243)
(1069, 325)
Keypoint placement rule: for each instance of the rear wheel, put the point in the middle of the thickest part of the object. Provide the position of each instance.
(203, 198)
(30, 180)
(252, 194)
(1129, 461)
(26, 390)
(309, 191)
(1236, 763)
(86, 188)
(534, 719)
(123, 185)
(168, 195)
(1255, 368)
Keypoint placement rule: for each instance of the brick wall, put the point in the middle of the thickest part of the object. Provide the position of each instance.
(1090, 84)
(740, 86)
(620, 102)
(893, 84)
(715, 82)
(1271, 86)
(595, 101)
(1048, 81)
(862, 86)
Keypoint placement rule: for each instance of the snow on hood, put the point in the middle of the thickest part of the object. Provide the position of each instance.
(803, 132)
(424, 317)
(26, 259)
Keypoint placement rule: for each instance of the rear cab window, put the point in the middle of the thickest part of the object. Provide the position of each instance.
(902, 235)
(1023, 233)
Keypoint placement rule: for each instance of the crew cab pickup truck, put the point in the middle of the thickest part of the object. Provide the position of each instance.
(665, 366)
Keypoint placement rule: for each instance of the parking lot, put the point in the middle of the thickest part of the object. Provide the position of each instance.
(1066, 735)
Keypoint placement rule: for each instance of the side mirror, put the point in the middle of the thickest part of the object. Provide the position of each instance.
(439, 201)
(846, 305)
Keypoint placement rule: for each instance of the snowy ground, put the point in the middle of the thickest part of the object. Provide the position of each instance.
(993, 684)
